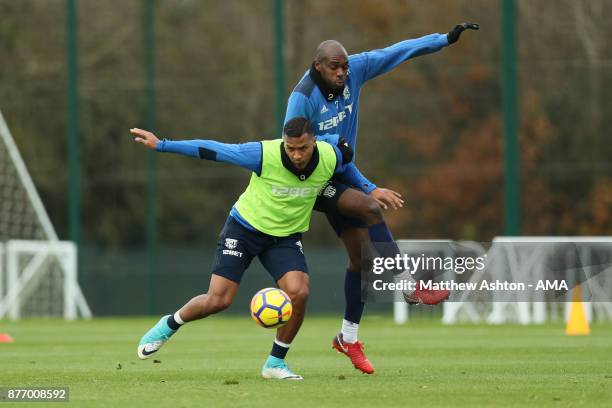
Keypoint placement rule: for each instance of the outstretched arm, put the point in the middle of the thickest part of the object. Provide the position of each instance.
(371, 64)
(247, 155)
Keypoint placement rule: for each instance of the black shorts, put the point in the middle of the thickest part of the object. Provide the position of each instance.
(238, 245)
(327, 202)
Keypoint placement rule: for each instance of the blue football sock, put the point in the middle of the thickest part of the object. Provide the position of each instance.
(383, 242)
(380, 233)
(352, 297)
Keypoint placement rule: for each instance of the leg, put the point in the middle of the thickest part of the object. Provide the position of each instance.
(353, 203)
(346, 342)
(351, 212)
(356, 204)
(230, 264)
(353, 240)
(220, 295)
(294, 284)
(285, 261)
(235, 250)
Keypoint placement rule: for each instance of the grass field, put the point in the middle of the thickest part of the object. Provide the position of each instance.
(216, 363)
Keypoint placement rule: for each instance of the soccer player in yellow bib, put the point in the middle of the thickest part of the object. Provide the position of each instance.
(267, 221)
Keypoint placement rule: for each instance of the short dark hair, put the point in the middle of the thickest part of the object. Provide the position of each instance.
(296, 127)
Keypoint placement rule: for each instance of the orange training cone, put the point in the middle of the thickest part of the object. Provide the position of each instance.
(577, 323)
(5, 338)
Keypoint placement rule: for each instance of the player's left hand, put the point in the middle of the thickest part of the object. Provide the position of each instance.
(455, 33)
(387, 198)
(145, 137)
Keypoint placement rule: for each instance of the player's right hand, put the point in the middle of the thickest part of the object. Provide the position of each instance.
(145, 137)
(387, 198)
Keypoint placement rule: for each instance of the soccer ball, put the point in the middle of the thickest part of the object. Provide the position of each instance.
(271, 307)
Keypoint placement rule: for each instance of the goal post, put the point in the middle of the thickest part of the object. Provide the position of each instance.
(38, 273)
(522, 261)
(42, 269)
(525, 258)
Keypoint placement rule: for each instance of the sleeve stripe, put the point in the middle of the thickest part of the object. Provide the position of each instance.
(207, 154)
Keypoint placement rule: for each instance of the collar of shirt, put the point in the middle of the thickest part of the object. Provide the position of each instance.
(327, 92)
(304, 173)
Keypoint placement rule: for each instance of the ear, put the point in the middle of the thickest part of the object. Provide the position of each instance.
(317, 65)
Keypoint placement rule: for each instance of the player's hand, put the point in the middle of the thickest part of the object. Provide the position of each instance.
(455, 33)
(145, 137)
(387, 198)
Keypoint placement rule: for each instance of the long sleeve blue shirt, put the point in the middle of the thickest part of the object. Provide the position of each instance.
(249, 156)
(339, 115)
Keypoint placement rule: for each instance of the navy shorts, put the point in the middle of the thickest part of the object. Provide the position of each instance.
(327, 202)
(238, 245)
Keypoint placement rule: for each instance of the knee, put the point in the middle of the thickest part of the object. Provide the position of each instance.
(298, 295)
(371, 212)
(218, 303)
(354, 261)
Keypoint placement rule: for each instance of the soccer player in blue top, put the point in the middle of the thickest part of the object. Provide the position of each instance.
(328, 95)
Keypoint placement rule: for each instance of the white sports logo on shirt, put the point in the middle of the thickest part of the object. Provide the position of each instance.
(329, 191)
(335, 121)
(289, 191)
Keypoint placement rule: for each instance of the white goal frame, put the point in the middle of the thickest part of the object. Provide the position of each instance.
(20, 278)
(525, 312)
(65, 253)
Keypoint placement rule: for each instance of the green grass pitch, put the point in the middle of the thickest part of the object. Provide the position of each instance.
(216, 363)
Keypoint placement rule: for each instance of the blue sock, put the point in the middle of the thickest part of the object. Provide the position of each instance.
(352, 297)
(383, 241)
(380, 233)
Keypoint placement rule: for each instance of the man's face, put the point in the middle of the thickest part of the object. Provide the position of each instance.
(334, 70)
(299, 149)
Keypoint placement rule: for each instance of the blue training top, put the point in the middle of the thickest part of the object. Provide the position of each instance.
(338, 113)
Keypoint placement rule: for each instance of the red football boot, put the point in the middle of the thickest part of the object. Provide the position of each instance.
(426, 296)
(354, 351)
